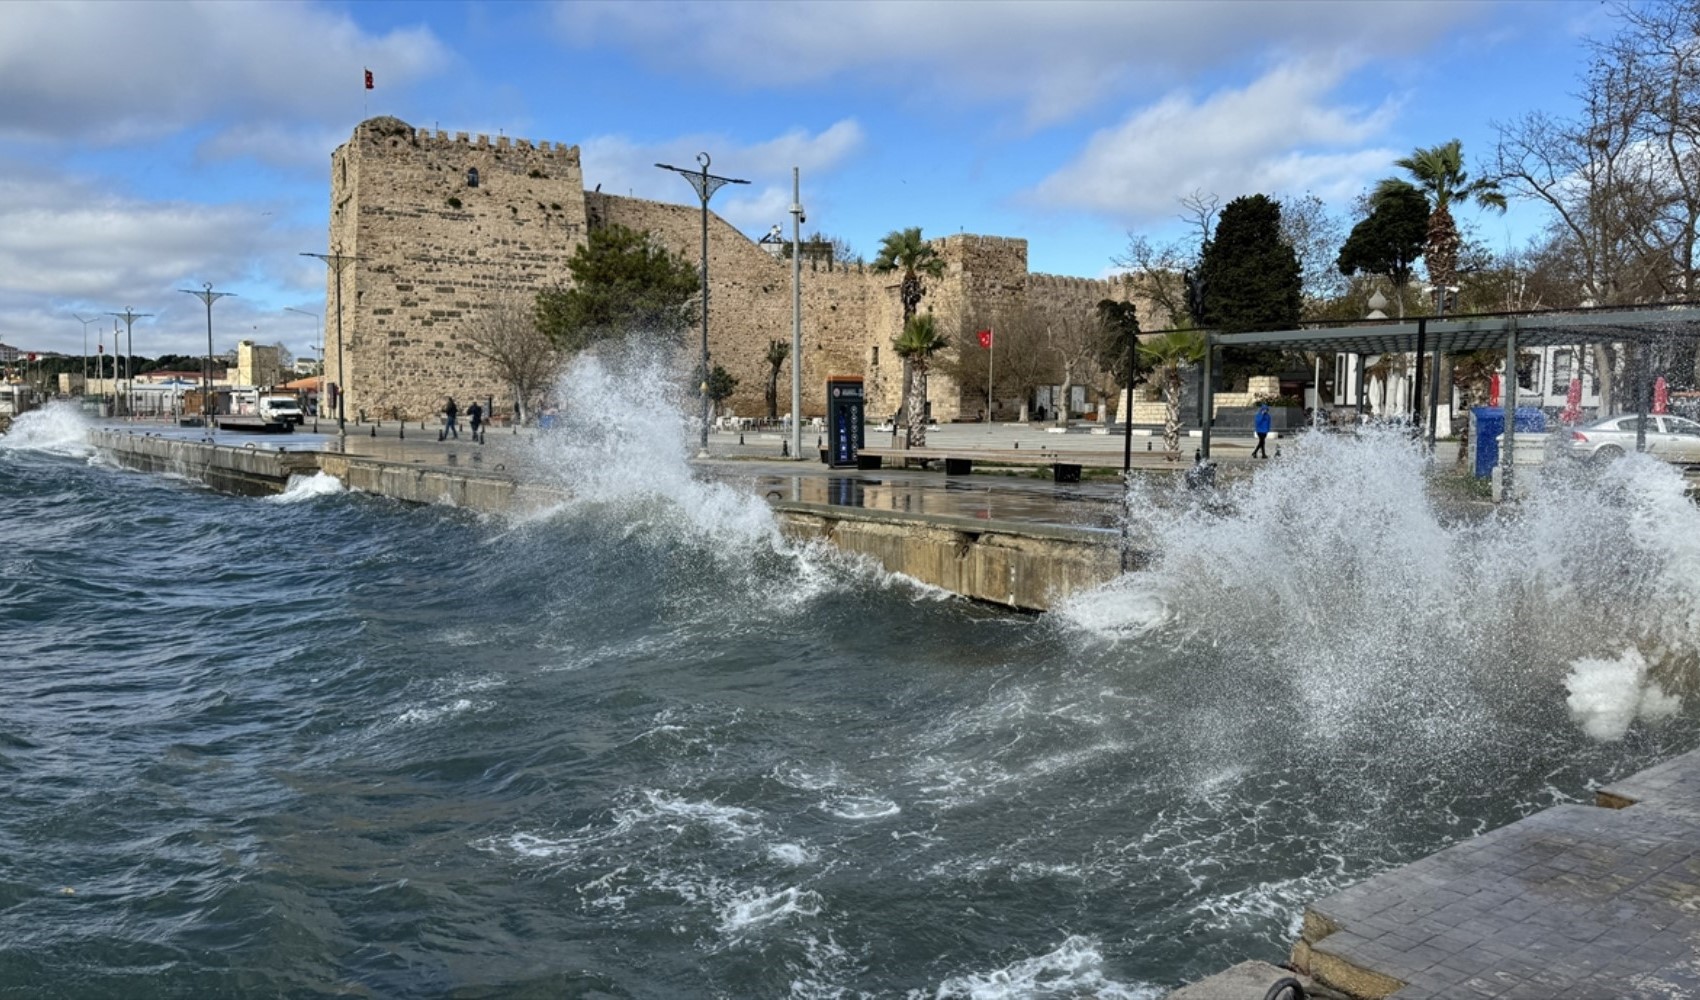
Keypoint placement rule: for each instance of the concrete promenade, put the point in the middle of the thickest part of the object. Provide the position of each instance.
(752, 458)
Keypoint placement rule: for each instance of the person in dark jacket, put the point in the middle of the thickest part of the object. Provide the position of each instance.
(450, 412)
(474, 419)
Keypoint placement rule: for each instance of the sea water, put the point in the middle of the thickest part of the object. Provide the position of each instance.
(642, 745)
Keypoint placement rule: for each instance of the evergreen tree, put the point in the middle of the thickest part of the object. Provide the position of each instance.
(623, 282)
(1248, 275)
(1390, 239)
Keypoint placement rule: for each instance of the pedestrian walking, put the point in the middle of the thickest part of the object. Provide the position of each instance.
(475, 419)
(1261, 425)
(450, 412)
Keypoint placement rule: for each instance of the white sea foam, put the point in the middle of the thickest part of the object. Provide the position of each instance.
(303, 488)
(59, 428)
(757, 907)
(426, 715)
(1608, 695)
(622, 446)
(861, 807)
(795, 855)
(1332, 575)
(1074, 969)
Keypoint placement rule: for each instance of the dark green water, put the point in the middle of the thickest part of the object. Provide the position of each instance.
(337, 746)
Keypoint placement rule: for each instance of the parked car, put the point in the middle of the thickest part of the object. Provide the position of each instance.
(1672, 438)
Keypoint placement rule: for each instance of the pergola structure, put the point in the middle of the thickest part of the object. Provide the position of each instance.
(1506, 332)
(1501, 332)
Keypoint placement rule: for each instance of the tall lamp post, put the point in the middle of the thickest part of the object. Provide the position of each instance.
(129, 316)
(207, 295)
(336, 260)
(705, 184)
(796, 316)
(319, 341)
(85, 323)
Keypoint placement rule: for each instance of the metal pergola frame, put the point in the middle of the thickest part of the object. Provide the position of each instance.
(1435, 336)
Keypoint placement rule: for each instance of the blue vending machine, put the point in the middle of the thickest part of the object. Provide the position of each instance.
(843, 420)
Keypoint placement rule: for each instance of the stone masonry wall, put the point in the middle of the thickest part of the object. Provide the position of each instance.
(428, 264)
(434, 250)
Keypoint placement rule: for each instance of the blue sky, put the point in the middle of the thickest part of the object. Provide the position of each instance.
(150, 147)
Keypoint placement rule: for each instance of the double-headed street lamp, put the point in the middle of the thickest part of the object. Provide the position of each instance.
(208, 296)
(129, 316)
(705, 184)
(85, 323)
(336, 261)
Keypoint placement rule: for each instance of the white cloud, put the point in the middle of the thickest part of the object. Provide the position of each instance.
(1053, 57)
(622, 166)
(122, 72)
(68, 246)
(1278, 134)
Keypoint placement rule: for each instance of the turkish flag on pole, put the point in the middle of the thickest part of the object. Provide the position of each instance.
(368, 79)
(985, 338)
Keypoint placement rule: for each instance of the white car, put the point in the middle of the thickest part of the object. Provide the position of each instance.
(1674, 439)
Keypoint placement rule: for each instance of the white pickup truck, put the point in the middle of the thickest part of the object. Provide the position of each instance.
(281, 410)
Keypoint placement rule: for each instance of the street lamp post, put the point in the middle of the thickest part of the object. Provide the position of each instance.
(207, 295)
(705, 184)
(129, 316)
(336, 261)
(796, 316)
(319, 341)
(85, 323)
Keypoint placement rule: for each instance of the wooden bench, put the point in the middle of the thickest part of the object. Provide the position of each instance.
(1065, 467)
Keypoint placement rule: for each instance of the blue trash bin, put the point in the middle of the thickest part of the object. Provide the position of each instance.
(1488, 423)
(546, 422)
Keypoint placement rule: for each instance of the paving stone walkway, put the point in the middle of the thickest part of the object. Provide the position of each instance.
(1575, 901)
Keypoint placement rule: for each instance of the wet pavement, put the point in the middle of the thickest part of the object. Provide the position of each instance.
(752, 458)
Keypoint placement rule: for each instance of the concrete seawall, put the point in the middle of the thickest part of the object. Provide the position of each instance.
(1026, 566)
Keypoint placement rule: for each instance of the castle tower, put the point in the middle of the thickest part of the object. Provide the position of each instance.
(442, 227)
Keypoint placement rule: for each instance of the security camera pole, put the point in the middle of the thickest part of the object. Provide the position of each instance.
(705, 184)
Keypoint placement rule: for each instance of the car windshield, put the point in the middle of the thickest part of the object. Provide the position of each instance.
(1680, 425)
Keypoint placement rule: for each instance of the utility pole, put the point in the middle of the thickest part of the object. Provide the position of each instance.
(796, 316)
(705, 184)
(129, 316)
(336, 261)
(207, 295)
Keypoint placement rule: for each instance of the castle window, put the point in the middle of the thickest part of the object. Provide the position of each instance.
(876, 355)
(472, 177)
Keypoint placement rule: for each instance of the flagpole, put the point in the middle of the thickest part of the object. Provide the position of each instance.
(991, 366)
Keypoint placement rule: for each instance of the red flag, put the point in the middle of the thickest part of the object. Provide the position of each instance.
(985, 338)
(368, 79)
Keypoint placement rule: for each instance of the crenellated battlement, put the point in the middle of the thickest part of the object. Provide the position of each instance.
(393, 134)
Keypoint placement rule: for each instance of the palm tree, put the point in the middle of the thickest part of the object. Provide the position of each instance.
(1168, 354)
(916, 345)
(905, 250)
(1439, 174)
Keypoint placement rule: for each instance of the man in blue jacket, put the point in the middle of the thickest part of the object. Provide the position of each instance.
(1261, 424)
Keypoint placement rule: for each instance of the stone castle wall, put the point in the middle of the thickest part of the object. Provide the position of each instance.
(433, 251)
(428, 265)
